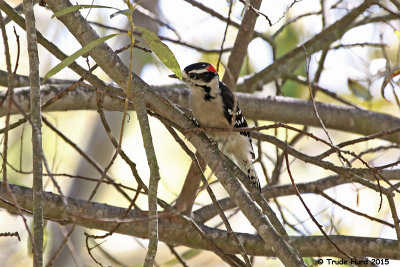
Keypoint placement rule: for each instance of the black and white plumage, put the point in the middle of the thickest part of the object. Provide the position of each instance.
(213, 105)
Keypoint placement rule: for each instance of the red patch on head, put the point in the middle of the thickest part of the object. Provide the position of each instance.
(211, 68)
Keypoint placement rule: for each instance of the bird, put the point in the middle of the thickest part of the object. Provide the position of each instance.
(214, 105)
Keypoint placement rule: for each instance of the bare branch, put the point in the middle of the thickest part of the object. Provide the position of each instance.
(239, 50)
(196, 163)
(289, 62)
(255, 107)
(167, 104)
(176, 230)
(207, 212)
(308, 210)
(36, 121)
(113, 66)
(188, 193)
(9, 98)
(396, 220)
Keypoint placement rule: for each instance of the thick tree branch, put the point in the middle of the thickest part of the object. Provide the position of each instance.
(207, 212)
(255, 107)
(177, 231)
(239, 50)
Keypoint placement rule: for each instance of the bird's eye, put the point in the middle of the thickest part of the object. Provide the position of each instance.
(193, 76)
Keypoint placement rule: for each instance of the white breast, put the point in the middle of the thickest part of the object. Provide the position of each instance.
(207, 113)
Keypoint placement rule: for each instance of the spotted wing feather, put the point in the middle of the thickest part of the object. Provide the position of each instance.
(228, 99)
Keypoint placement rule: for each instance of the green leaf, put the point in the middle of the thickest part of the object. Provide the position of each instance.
(310, 262)
(71, 9)
(66, 62)
(161, 50)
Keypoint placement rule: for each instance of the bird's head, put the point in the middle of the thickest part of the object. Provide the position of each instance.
(199, 74)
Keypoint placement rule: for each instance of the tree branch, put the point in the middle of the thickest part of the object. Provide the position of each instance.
(36, 121)
(115, 69)
(188, 193)
(134, 86)
(175, 230)
(290, 61)
(254, 107)
(207, 212)
(239, 50)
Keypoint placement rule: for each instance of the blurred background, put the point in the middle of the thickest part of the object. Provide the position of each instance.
(355, 73)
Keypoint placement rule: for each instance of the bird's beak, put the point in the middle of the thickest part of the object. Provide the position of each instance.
(173, 76)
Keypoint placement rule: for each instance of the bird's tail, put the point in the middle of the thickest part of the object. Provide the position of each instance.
(248, 168)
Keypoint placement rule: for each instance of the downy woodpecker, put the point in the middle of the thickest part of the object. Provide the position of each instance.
(213, 105)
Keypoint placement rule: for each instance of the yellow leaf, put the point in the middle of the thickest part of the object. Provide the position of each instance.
(161, 50)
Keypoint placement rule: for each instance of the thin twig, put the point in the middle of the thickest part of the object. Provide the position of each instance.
(163, 38)
(16, 234)
(18, 51)
(190, 188)
(249, 6)
(316, 87)
(287, 10)
(61, 246)
(72, 249)
(7, 127)
(290, 21)
(395, 217)
(177, 256)
(232, 260)
(95, 165)
(355, 211)
(89, 249)
(341, 158)
(308, 210)
(225, 33)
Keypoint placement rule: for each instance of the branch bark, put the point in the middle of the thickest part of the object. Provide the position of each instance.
(36, 122)
(206, 213)
(239, 51)
(113, 66)
(141, 112)
(110, 62)
(254, 107)
(289, 62)
(175, 230)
